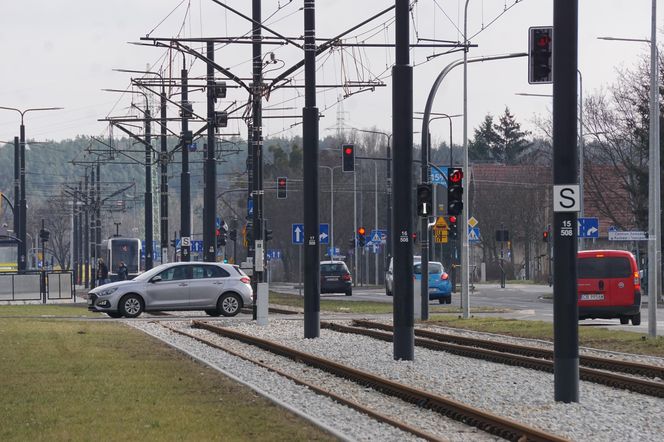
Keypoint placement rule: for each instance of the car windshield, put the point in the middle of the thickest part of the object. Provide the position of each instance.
(150, 273)
(434, 267)
(609, 267)
(333, 268)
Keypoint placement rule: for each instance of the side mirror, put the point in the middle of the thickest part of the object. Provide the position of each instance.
(155, 279)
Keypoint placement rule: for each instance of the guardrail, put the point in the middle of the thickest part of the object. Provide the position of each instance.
(37, 286)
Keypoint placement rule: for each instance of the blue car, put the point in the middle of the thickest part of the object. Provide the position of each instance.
(440, 286)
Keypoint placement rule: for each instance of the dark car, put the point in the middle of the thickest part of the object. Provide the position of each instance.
(335, 278)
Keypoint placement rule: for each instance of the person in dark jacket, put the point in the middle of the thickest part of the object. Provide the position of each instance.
(102, 273)
(123, 272)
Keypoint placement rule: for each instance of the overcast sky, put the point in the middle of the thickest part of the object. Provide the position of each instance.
(61, 53)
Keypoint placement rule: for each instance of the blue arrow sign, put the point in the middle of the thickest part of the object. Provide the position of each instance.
(588, 228)
(324, 234)
(298, 233)
(250, 206)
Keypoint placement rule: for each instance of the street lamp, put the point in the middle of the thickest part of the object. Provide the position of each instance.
(22, 203)
(654, 216)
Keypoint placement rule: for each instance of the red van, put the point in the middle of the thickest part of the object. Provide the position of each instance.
(609, 286)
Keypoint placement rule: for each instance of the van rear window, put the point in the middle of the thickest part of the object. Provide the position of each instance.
(592, 268)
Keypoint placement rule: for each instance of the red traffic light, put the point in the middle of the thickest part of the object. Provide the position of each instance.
(543, 41)
(282, 181)
(348, 150)
(456, 176)
(361, 231)
(453, 219)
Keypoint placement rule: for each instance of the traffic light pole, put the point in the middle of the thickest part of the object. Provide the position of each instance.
(565, 163)
(149, 252)
(163, 161)
(209, 206)
(311, 160)
(402, 130)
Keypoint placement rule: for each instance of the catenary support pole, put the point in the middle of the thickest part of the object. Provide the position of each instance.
(185, 197)
(654, 214)
(17, 191)
(86, 228)
(402, 130)
(565, 163)
(163, 162)
(210, 194)
(22, 232)
(149, 252)
(311, 187)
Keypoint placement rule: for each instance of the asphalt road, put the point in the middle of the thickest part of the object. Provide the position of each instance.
(519, 301)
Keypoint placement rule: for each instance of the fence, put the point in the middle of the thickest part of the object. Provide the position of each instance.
(37, 286)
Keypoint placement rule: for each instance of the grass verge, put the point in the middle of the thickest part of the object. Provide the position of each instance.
(72, 380)
(595, 337)
(359, 307)
(54, 310)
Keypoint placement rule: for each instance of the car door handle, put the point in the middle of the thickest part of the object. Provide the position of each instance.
(183, 284)
(218, 283)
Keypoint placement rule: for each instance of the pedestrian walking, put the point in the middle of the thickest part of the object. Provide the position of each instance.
(123, 272)
(102, 273)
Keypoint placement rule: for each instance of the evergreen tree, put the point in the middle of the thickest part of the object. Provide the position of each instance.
(511, 139)
(483, 146)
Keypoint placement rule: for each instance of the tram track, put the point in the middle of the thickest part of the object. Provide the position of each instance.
(515, 355)
(485, 421)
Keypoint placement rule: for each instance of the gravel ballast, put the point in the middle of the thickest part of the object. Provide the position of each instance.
(526, 396)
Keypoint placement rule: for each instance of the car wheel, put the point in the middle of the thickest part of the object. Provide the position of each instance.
(636, 319)
(624, 320)
(114, 314)
(441, 301)
(131, 306)
(229, 304)
(213, 312)
(349, 292)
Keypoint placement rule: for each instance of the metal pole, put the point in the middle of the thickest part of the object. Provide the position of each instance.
(86, 248)
(17, 191)
(149, 234)
(654, 217)
(332, 211)
(164, 178)
(355, 249)
(388, 203)
(22, 263)
(581, 153)
(565, 163)
(79, 243)
(402, 186)
(185, 197)
(375, 220)
(209, 203)
(465, 268)
(311, 159)
(98, 215)
(424, 238)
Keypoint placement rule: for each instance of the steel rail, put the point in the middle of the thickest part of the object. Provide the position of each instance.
(636, 385)
(597, 362)
(352, 404)
(489, 422)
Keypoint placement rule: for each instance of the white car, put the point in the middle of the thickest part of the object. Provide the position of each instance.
(389, 278)
(216, 288)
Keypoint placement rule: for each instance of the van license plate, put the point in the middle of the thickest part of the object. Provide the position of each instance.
(592, 297)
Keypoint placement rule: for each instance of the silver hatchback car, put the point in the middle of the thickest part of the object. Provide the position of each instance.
(218, 289)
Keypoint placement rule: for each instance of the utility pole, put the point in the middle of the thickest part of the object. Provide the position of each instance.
(402, 186)
(79, 233)
(149, 253)
(185, 210)
(163, 161)
(86, 246)
(210, 194)
(311, 160)
(565, 163)
(98, 215)
(257, 149)
(91, 227)
(17, 191)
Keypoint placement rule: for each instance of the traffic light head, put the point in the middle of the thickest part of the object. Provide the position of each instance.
(545, 236)
(540, 55)
(348, 158)
(44, 235)
(282, 182)
(424, 200)
(361, 240)
(361, 231)
(454, 191)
